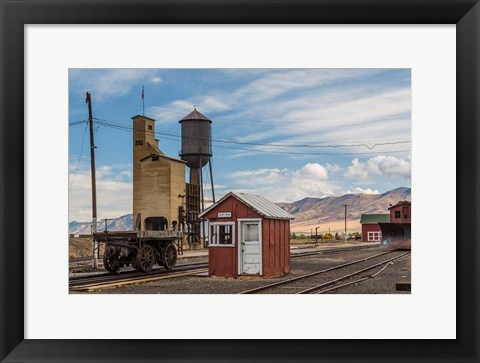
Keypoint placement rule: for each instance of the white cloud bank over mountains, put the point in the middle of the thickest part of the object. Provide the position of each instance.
(114, 186)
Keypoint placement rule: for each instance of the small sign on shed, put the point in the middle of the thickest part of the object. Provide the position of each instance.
(248, 235)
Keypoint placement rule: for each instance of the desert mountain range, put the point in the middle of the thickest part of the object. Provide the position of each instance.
(326, 213)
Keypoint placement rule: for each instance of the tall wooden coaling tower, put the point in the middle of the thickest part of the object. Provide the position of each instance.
(197, 152)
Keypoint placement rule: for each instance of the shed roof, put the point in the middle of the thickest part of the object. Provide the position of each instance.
(403, 202)
(195, 115)
(374, 218)
(258, 203)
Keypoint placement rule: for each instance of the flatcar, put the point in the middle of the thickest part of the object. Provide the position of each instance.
(141, 249)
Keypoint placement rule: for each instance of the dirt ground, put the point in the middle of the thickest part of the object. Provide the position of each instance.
(80, 247)
(332, 227)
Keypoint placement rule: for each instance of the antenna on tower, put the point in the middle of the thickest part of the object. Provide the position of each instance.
(143, 99)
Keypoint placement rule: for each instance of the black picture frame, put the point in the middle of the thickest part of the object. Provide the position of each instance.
(15, 14)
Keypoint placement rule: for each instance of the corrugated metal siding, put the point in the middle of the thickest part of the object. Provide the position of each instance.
(374, 218)
(263, 206)
(256, 202)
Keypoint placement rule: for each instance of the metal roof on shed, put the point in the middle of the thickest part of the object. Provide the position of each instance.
(258, 203)
(374, 218)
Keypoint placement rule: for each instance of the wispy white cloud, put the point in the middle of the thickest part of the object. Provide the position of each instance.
(314, 118)
(111, 82)
(175, 110)
(275, 84)
(307, 106)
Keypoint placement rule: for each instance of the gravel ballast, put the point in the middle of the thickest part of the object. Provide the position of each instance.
(383, 283)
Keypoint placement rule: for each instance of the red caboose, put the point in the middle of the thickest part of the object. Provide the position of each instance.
(248, 235)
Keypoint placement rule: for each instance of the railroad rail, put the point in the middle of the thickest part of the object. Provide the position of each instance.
(331, 251)
(292, 255)
(324, 271)
(315, 289)
(107, 280)
(128, 277)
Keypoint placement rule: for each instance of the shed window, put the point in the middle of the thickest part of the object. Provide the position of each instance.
(397, 214)
(222, 234)
(139, 142)
(155, 158)
(150, 127)
(374, 236)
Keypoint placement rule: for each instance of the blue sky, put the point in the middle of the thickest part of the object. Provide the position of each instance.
(283, 133)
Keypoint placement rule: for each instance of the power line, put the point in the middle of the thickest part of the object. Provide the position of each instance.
(79, 157)
(303, 145)
(73, 123)
(280, 145)
(129, 129)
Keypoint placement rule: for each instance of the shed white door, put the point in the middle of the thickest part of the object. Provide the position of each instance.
(251, 249)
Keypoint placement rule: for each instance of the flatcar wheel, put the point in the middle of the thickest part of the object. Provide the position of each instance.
(110, 264)
(169, 256)
(145, 258)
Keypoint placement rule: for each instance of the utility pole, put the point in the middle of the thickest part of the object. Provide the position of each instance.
(345, 236)
(211, 178)
(316, 234)
(94, 183)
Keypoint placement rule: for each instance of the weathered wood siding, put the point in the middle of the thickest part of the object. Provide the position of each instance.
(369, 228)
(222, 261)
(275, 247)
(275, 233)
(404, 210)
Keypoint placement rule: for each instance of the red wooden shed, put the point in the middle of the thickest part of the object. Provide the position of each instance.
(371, 231)
(248, 235)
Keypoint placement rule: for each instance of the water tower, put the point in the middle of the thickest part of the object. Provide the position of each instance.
(196, 151)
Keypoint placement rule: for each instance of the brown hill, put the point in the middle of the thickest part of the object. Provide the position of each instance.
(329, 212)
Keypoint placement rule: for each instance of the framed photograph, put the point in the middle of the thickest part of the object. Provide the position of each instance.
(414, 63)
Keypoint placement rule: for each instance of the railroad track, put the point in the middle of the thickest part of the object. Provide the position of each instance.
(299, 283)
(108, 280)
(129, 277)
(331, 251)
(295, 254)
